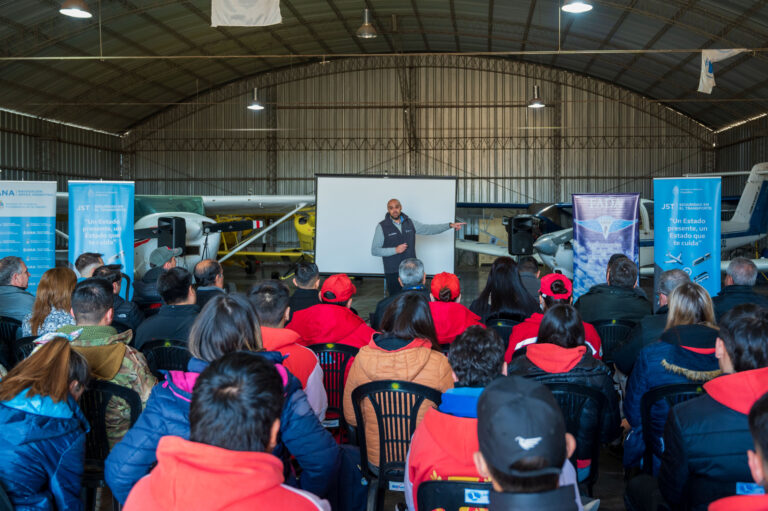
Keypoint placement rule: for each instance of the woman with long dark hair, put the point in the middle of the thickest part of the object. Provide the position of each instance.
(405, 350)
(504, 293)
(42, 444)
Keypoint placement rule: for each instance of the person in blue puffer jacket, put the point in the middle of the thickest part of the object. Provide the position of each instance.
(42, 445)
(226, 324)
(685, 353)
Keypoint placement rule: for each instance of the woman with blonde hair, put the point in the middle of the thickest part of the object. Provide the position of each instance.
(42, 445)
(685, 353)
(52, 303)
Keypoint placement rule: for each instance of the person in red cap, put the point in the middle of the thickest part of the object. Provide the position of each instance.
(332, 321)
(556, 289)
(451, 318)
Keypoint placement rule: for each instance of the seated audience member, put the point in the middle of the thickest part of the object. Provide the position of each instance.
(126, 313)
(307, 282)
(758, 463)
(161, 260)
(561, 356)
(86, 263)
(504, 293)
(450, 317)
(15, 301)
(226, 324)
(106, 351)
(332, 321)
(706, 438)
(650, 327)
(51, 309)
(411, 277)
(444, 444)
(618, 298)
(685, 353)
(270, 300)
(556, 289)
(227, 463)
(406, 350)
(529, 275)
(175, 317)
(42, 444)
(209, 277)
(523, 446)
(740, 279)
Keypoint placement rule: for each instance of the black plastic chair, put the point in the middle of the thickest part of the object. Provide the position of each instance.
(613, 334)
(8, 330)
(396, 405)
(503, 323)
(166, 355)
(94, 404)
(334, 360)
(22, 348)
(654, 431)
(573, 398)
(453, 495)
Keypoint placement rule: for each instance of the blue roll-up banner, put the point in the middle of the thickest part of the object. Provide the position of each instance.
(686, 215)
(603, 225)
(28, 225)
(101, 221)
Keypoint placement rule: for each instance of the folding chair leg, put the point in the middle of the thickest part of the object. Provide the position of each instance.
(381, 491)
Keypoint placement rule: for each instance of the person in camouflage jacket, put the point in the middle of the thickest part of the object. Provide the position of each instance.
(107, 352)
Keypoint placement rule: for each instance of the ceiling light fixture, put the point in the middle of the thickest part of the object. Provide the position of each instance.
(366, 30)
(255, 105)
(536, 101)
(75, 9)
(577, 6)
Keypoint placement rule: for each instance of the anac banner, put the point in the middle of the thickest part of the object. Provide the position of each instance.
(603, 225)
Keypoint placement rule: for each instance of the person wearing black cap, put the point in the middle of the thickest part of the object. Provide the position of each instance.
(523, 445)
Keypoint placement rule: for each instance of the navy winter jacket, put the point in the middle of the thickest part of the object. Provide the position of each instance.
(42, 448)
(167, 413)
(684, 354)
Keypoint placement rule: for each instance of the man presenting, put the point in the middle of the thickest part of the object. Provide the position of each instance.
(395, 240)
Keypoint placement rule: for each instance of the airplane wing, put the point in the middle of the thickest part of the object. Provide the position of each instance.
(481, 248)
(249, 204)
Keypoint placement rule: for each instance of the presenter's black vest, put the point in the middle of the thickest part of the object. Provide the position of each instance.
(393, 237)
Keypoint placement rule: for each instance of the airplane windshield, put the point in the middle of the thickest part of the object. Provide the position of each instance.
(148, 204)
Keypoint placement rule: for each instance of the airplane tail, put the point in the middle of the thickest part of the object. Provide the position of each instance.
(753, 204)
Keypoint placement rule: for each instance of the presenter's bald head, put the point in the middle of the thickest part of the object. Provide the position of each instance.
(394, 208)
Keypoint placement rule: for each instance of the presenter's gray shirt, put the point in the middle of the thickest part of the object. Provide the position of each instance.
(378, 236)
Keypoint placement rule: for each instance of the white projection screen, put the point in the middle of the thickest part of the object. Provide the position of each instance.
(350, 207)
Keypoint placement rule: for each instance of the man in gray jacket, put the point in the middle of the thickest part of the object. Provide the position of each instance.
(15, 301)
(395, 240)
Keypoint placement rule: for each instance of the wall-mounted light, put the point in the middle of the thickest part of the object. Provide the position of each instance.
(366, 30)
(577, 6)
(255, 105)
(75, 9)
(536, 101)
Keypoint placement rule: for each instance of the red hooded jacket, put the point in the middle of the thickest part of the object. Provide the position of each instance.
(327, 322)
(191, 475)
(525, 333)
(741, 503)
(451, 319)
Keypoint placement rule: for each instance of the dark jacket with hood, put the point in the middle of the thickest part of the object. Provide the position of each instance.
(731, 296)
(604, 301)
(550, 363)
(170, 322)
(646, 332)
(329, 322)
(706, 441)
(167, 413)
(42, 447)
(127, 313)
(684, 354)
(145, 288)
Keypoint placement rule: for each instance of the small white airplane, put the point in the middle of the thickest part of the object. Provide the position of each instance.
(748, 224)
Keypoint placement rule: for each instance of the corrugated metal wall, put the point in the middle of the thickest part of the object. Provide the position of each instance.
(443, 115)
(739, 148)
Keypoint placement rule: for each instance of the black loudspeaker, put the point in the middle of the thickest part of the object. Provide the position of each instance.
(172, 232)
(520, 233)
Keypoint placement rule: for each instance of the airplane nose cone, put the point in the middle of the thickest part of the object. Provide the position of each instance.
(545, 245)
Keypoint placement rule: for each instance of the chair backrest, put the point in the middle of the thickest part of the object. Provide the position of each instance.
(613, 333)
(665, 396)
(334, 361)
(8, 329)
(503, 323)
(94, 406)
(574, 399)
(396, 406)
(22, 348)
(453, 495)
(166, 355)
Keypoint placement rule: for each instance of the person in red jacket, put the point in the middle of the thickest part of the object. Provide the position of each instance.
(332, 321)
(270, 300)
(226, 463)
(556, 289)
(758, 463)
(451, 318)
